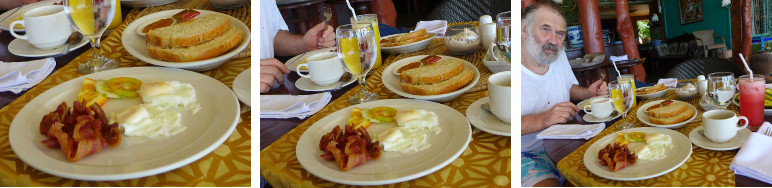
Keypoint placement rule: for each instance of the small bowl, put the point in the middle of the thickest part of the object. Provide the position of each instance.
(412, 47)
(651, 95)
(686, 90)
(495, 65)
(462, 39)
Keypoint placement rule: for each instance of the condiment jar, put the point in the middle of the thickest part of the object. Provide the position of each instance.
(462, 39)
(702, 85)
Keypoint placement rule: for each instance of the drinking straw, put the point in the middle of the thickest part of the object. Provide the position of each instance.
(354, 14)
(617, 69)
(746, 66)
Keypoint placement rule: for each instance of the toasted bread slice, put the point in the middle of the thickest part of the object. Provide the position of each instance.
(206, 50)
(446, 86)
(668, 110)
(678, 118)
(433, 73)
(192, 32)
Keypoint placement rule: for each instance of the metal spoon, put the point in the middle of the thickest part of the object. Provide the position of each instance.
(74, 38)
(345, 78)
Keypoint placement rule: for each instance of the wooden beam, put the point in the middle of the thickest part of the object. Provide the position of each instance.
(592, 33)
(741, 30)
(525, 3)
(627, 35)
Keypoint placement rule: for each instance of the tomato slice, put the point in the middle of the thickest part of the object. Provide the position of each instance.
(635, 136)
(125, 86)
(383, 113)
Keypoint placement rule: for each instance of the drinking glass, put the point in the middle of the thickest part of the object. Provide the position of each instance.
(721, 88)
(371, 19)
(503, 34)
(91, 18)
(356, 49)
(622, 98)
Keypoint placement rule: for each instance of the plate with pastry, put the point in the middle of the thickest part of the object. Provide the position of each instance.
(406, 42)
(441, 81)
(651, 92)
(671, 114)
(204, 41)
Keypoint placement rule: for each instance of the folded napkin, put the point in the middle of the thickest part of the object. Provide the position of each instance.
(669, 82)
(19, 76)
(753, 158)
(292, 106)
(571, 131)
(435, 26)
(618, 58)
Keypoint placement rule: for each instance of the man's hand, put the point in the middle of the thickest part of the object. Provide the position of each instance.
(312, 40)
(271, 70)
(560, 113)
(598, 88)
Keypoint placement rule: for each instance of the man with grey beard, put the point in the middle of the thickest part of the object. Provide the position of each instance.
(547, 87)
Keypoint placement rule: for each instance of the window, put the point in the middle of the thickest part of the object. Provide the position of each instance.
(760, 12)
(643, 31)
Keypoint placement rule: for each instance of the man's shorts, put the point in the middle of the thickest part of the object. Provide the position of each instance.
(535, 167)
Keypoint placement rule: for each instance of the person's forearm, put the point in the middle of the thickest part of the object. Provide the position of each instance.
(579, 93)
(288, 44)
(531, 124)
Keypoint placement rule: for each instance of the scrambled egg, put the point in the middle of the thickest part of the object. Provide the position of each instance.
(160, 115)
(412, 131)
(655, 147)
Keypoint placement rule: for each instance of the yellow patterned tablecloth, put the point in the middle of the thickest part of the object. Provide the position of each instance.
(228, 165)
(703, 168)
(485, 163)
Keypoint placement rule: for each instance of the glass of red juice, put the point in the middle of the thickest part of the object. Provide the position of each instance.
(752, 99)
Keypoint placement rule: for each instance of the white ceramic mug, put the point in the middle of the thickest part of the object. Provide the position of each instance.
(46, 27)
(499, 93)
(601, 108)
(324, 69)
(721, 125)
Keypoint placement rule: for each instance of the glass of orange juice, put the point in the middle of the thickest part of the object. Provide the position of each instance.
(357, 51)
(371, 19)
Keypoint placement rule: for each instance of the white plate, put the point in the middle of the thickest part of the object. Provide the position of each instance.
(393, 83)
(136, 156)
(592, 119)
(485, 120)
(644, 117)
(392, 167)
(703, 142)
(135, 44)
(145, 3)
(306, 84)
(651, 95)
(242, 86)
(23, 48)
(5, 25)
(294, 62)
(642, 169)
(412, 47)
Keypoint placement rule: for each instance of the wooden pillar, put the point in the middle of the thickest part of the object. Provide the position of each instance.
(592, 33)
(627, 34)
(741, 30)
(525, 3)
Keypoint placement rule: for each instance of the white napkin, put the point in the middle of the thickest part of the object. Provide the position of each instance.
(753, 158)
(435, 26)
(618, 58)
(292, 106)
(571, 131)
(669, 82)
(19, 76)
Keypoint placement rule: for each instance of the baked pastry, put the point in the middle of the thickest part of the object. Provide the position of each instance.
(201, 38)
(444, 76)
(669, 112)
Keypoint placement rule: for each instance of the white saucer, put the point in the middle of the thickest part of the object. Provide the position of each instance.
(242, 86)
(485, 120)
(703, 142)
(23, 48)
(592, 119)
(306, 84)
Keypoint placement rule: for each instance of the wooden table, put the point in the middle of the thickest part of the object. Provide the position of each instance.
(559, 149)
(485, 163)
(228, 165)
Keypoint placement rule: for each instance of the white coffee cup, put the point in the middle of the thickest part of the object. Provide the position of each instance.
(721, 125)
(46, 27)
(499, 93)
(324, 68)
(601, 108)
(488, 33)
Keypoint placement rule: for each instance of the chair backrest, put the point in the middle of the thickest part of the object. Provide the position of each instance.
(692, 68)
(705, 35)
(468, 10)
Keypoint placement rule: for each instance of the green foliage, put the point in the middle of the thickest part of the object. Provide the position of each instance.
(643, 29)
(570, 11)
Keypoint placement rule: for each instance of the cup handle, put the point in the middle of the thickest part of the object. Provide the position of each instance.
(585, 109)
(744, 125)
(301, 74)
(13, 32)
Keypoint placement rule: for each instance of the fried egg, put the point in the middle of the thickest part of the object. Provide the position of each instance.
(411, 133)
(169, 94)
(160, 115)
(655, 147)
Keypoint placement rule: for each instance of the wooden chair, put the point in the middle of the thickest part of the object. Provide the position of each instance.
(691, 68)
(706, 41)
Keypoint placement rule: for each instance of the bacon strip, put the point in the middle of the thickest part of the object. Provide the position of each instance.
(349, 148)
(80, 132)
(616, 157)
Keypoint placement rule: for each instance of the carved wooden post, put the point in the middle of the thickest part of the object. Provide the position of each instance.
(741, 30)
(525, 3)
(627, 34)
(589, 18)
